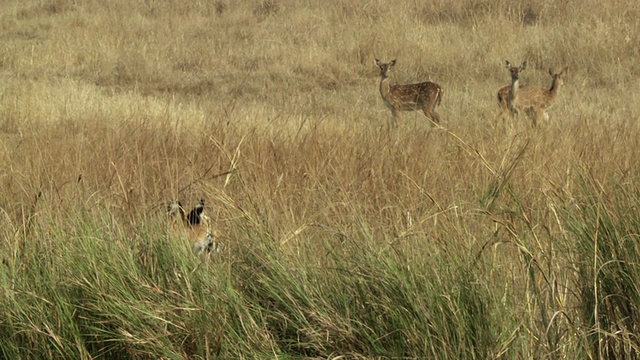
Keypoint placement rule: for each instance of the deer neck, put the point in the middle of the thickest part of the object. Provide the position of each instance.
(513, 94)
(385, 88)
(515, 85)
(555, 86)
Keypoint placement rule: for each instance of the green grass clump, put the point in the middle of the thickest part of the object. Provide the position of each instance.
(607, 264)
(109, 296)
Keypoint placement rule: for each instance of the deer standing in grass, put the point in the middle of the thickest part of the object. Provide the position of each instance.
(535, 100)
(194, 227)
(508, 95)
(411, 97)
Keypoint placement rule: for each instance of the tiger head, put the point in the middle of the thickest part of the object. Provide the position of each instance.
(195, 227)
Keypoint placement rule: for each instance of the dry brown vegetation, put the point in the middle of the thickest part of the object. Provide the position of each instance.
(269, 109)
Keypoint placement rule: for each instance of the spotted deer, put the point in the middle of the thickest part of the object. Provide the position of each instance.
(508, 96)
(535, 100)
(195, 228)
(425, 96)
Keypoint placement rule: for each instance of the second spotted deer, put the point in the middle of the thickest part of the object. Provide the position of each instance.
(532, 99)
(425, 96)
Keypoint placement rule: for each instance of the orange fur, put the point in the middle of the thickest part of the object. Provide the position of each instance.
(194, 227)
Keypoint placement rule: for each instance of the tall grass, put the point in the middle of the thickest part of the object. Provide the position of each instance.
(606, 262)
(340, 238)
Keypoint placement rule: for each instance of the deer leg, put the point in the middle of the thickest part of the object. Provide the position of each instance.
(514, 112)
(391, 121)
(432, 116)
(430, 112)
(501, 119)
(436, 116)
(537, 115)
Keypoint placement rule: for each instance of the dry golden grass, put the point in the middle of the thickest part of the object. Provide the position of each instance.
(270, 110)
(143, 99)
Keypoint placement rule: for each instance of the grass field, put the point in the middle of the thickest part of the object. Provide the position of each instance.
(341, 238)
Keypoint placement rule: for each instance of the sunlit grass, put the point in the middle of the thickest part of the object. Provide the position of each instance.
(340, 238)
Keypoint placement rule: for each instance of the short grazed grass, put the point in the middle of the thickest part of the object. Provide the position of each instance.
(340, 238)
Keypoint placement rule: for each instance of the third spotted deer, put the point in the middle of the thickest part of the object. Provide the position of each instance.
(425, 96)
(535, 100)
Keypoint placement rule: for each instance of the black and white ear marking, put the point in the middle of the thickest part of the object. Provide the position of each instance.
(194, 217)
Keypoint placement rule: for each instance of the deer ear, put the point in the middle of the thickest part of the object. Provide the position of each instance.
(392, 62)
(524, 65)
(507, 64)
(377, 62)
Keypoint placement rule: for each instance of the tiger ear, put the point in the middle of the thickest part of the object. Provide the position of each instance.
(195, 214)
(175, 208)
